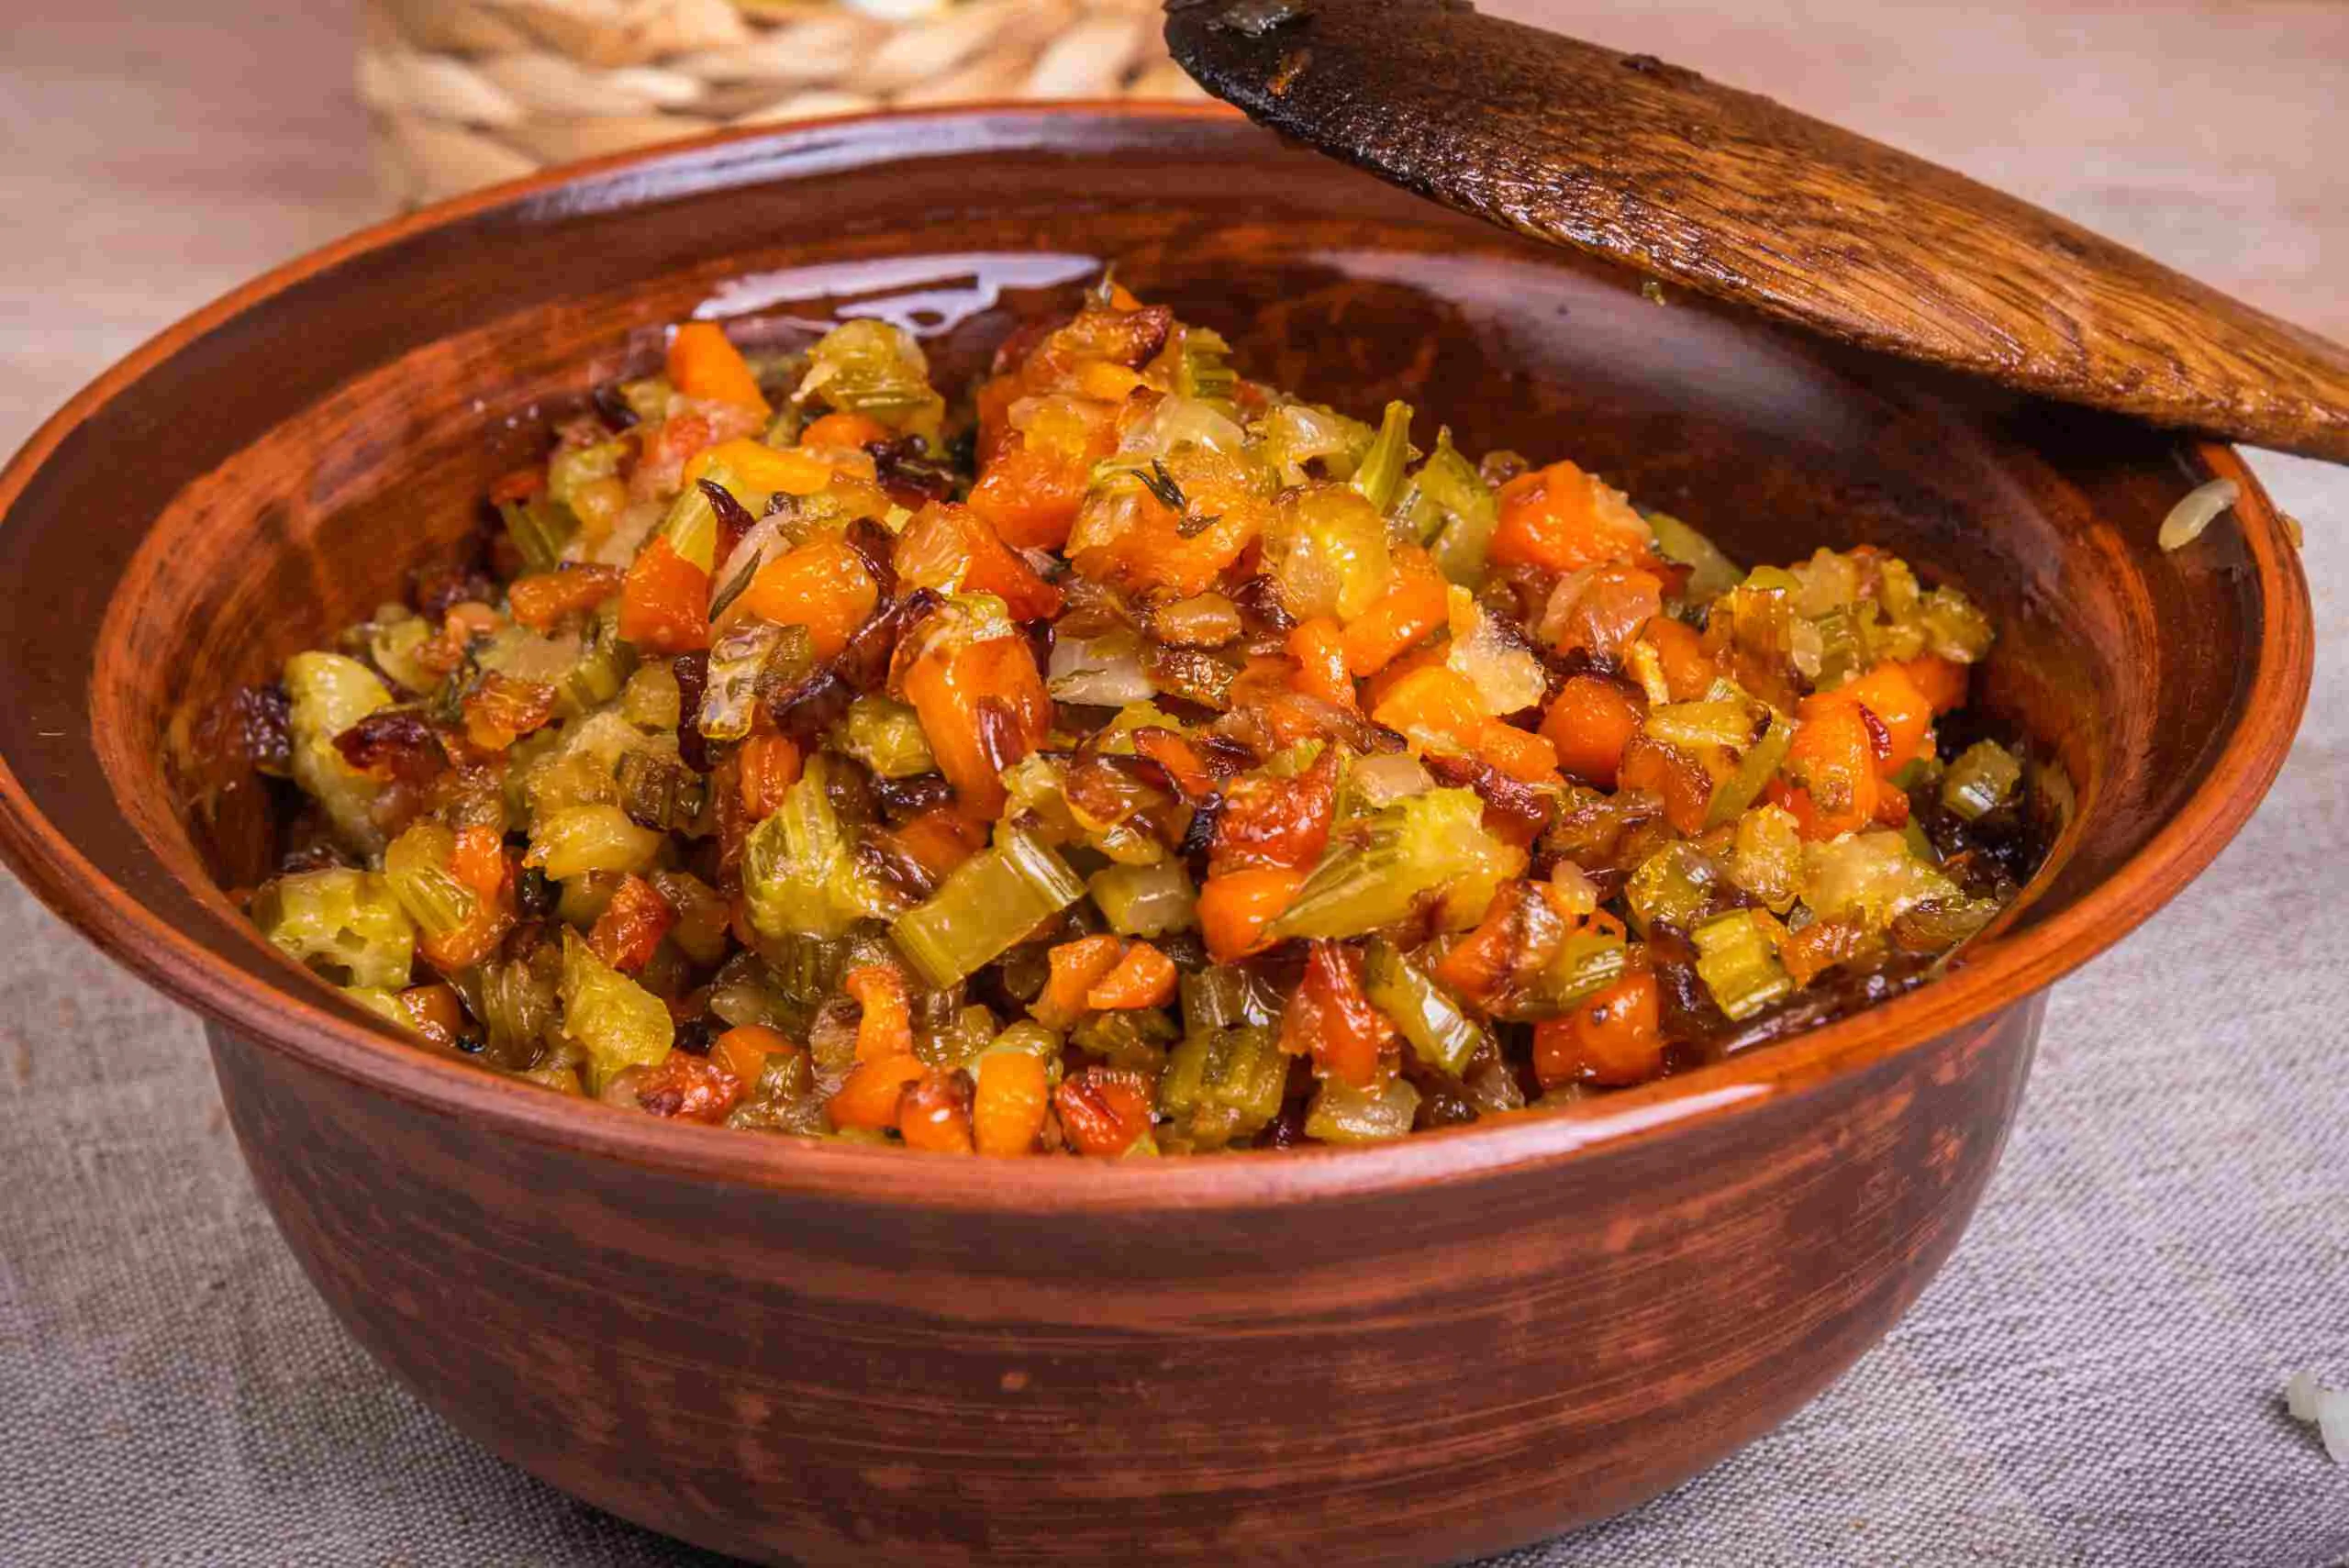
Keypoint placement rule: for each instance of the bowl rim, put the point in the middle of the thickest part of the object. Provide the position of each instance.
(2004, 972)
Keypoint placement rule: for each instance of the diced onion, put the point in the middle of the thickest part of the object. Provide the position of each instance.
(1106, 672)
(2327, 1410)
(2195, 512)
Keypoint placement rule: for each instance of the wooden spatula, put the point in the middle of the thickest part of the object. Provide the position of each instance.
(1730, 194)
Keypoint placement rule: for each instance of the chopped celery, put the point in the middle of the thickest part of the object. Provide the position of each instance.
(603, 662)
(1702, 723)
(1443, 1034)
(1027, 1037)
(619, 1023)
(574, 467)
(1839, 651)
(1759, 762)
(540, 528)
(1223, 1086)
(1327, 553)
(1711, 572)
(749, 656)
(1586, 964)
(1982, 780)
(989, 903)
(1379, 479)
(393, 644)
(1765, 856)
(581, 839)
(1452, 510)
(1415, 848)
(744, 991)
(1671, 886)
(886, 737)
(1132, 1038)
(517, 1002)
(1343, 1114)
(1220, 997)
(658, 792)
(1869, 878)
(801, 874)
(1146, 900)
(345, 925)
(1203, 370)
(328, 693)
(415, 865)
(875, 368)
(652, 700)
(1738, 963)
(960, 1040)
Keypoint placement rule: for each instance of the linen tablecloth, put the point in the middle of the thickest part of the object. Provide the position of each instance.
(2096, 1376)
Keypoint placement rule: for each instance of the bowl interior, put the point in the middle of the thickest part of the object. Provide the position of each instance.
(273, 469)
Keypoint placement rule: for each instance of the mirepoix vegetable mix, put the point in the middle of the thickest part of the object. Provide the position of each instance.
(1118, 757)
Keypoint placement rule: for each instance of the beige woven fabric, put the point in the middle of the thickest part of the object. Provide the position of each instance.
(2095, 1379)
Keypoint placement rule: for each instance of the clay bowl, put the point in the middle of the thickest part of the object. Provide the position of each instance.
(1404, 1355)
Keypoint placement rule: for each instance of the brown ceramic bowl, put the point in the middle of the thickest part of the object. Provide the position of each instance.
(1418, 1352)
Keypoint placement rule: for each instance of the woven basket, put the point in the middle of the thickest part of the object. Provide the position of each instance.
(467, 91)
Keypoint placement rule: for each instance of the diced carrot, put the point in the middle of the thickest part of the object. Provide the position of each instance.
(1411, 605)
(1076, 969)
(886, 1027)
(1830, 780)
(1267, 821)
(1522, 755)
(1375, 690)
(1032, 482)
(479, 862)
(822, 585)
(1614, 1039)
(755, 471)
(769, 767)
(543, 598)
(664, 604)
(1186, 769)
(993, 568)
(870, 1095)
(1104, 1110)
(1110, 384)
(1331, 1018)
(1143, 977)
(434, 1012)
(935, 1115)
(1435, 700)
(1679, 778)
(982, 708)
(743, 1050)
(1942, 681)
(843, 428)
(941, 838)
(1680, 649)
(1122, 298)
(1479, 964)
(1562, 519)
(1008, 1111)
(1154, 554)
(631, 926)
(1589, 724)
(704, 364)
(1320, 648)
(1888, 692)
(1235, 908)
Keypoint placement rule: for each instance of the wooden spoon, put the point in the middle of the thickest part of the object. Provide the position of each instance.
(1730, 194)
